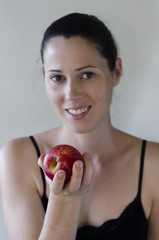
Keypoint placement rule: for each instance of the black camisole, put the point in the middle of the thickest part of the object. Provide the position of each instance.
(130, 225)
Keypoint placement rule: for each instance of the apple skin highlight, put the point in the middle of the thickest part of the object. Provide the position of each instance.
(61, 157)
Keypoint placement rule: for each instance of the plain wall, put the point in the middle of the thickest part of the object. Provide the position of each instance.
(24, 108)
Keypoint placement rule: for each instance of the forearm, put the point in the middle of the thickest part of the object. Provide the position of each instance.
(64, 206)
(61, 220)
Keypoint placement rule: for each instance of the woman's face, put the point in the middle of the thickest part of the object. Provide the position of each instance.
(78, 82)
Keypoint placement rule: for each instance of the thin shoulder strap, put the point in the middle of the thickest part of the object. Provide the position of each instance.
(142, 157)
(35, 145)
(38, 154)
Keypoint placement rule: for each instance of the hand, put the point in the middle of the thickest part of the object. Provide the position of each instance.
(80, 182)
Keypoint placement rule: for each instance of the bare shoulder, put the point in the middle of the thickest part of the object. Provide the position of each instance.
(21, 151)
(14, 150)
(151, 162)
(152, 155)
(152, 166)
(18, 161)
(15, 146)
(153, 150)
(17, 150)
(152, 180)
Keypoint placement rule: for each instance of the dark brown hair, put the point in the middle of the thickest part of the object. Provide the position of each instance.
(88, 27)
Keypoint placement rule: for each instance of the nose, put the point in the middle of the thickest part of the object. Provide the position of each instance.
(73, 90)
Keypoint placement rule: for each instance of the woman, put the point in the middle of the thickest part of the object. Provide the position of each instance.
(114, 194)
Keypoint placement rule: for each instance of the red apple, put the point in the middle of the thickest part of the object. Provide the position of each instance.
(60, 157)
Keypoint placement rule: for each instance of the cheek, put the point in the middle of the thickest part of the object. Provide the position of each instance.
(48, 92)
(104, 93)
(53, 95)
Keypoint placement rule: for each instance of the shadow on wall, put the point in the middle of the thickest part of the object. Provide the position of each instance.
(137, 92)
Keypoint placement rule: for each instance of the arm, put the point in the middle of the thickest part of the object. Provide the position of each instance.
(62, 218)
(24, 215)
(22, 206)
(64, 206)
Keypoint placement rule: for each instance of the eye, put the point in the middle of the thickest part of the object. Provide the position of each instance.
(57, 78)
(88, 75)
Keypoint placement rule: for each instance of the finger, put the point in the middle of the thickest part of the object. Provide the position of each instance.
(88, 171)
(40, 163)
(76, 178)
(58, 182)
(40, 160)
(48, 180)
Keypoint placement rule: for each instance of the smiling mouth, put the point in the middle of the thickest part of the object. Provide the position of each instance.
(79, 111)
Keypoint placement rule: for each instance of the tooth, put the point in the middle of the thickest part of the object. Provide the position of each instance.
(78, 112)
(74, 112)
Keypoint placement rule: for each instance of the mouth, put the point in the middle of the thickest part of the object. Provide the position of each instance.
(78, 112)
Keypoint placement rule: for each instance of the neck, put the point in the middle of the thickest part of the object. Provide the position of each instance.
(99, 142)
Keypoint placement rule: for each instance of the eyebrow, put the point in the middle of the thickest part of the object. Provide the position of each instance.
(54, 70)
(81, 68)
(77, 69)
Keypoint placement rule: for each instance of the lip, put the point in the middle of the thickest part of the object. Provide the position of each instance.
(80, 116)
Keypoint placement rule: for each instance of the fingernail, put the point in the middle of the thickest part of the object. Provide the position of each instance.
(79, 164)
(61, 174)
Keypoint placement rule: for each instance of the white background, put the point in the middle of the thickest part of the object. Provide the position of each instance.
(24, 108)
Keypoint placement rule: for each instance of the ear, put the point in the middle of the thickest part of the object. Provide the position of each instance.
(117, 71)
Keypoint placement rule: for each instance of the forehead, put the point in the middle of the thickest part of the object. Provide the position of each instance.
(71, 42)
(73, 49)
